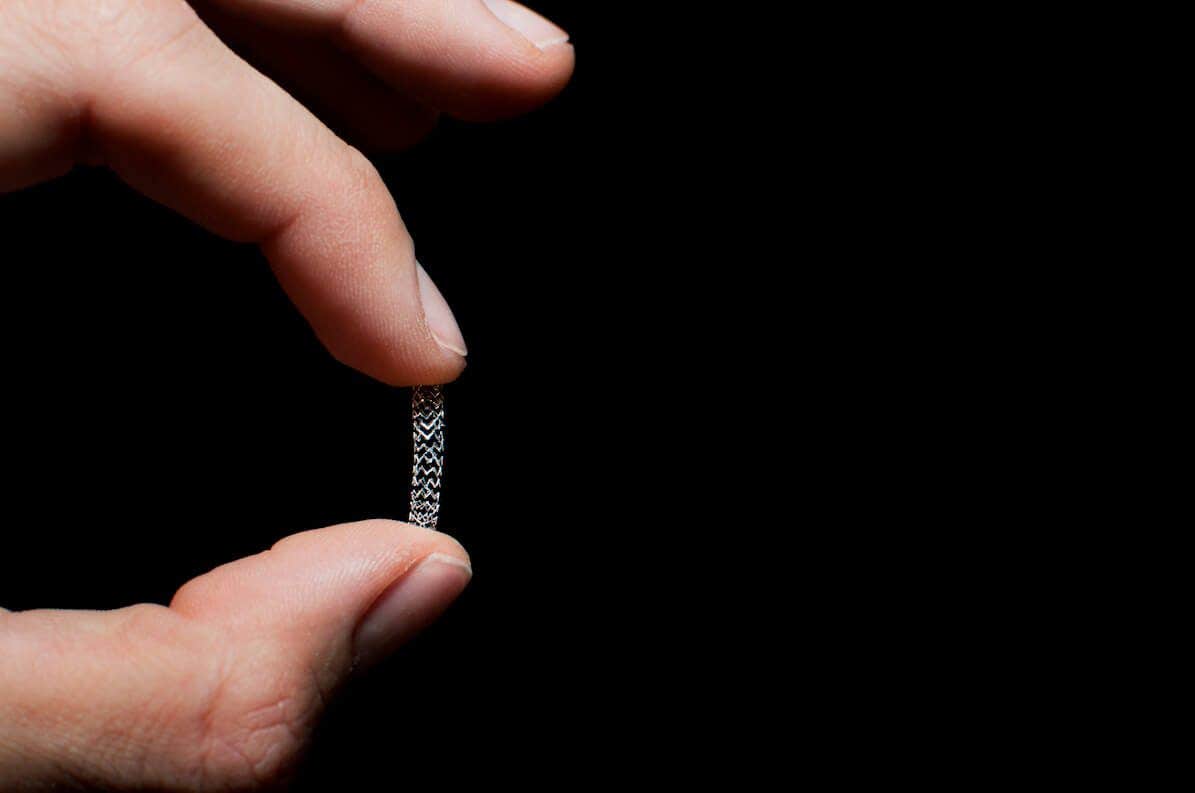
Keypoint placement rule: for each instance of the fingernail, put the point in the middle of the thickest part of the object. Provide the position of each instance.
(410, 605)
(439, 316)
(535, 28)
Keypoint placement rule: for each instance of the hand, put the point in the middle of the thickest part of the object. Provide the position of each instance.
(147, 88)
(220, 691)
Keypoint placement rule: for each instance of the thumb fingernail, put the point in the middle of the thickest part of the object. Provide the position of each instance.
(439, 316)
(410, 605)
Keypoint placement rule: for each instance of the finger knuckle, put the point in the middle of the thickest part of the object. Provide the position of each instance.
(256, 722)
(199, 597)
(360, 174)
(225, 716)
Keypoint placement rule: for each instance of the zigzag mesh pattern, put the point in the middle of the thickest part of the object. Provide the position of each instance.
(427, 423)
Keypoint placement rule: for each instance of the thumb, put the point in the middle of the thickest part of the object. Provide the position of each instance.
(335, 595)
(222, 689)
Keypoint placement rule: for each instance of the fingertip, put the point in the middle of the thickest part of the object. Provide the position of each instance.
(474, 60)
(378, 314)
(387, 541)
(537, 72)
(527, 79)
(434, 365)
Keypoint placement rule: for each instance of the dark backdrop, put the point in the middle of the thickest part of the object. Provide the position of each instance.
(168, 411)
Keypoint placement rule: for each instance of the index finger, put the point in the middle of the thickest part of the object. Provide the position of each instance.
(193, 126)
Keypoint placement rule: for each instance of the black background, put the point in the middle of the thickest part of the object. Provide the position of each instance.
(760, 283)
(170, 411)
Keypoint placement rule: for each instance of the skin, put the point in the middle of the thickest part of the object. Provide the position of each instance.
(220, 690)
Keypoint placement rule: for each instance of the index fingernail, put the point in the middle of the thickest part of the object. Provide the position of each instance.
(440, 319)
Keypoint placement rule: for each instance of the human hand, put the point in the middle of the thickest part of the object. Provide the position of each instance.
(220, 691)
(148, 89)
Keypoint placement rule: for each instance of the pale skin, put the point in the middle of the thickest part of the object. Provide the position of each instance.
(220, 690)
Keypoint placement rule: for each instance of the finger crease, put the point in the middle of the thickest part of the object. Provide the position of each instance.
(280, 230)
